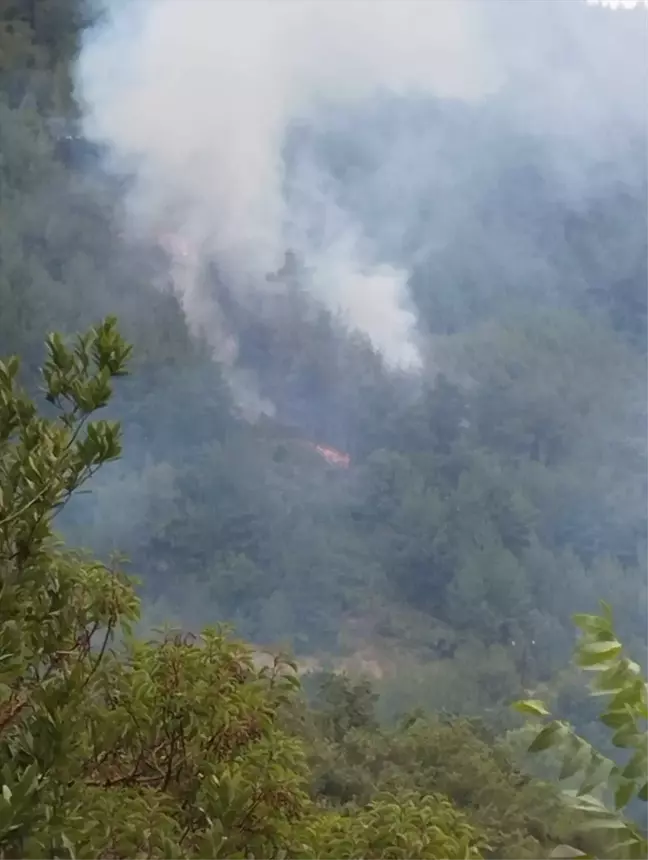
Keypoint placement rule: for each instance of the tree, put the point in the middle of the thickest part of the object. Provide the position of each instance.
(91, 733)
(174, 747)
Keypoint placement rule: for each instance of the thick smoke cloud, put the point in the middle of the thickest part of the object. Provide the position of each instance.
(198, 97)
(200, 94)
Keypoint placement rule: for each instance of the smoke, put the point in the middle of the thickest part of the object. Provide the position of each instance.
(198, 97)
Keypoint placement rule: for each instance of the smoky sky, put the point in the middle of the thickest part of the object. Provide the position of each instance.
(198, 98)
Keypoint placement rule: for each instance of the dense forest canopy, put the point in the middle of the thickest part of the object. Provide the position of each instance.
(386, 407)
(490, 492)
(184, 746)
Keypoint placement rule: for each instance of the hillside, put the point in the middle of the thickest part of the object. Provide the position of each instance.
(385, 410)
(491, 491)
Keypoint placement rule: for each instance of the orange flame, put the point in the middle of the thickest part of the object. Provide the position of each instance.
(332, 456)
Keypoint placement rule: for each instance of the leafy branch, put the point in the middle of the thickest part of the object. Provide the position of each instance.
(620, 679)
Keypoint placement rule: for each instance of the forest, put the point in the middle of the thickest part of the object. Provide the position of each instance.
(384, 604)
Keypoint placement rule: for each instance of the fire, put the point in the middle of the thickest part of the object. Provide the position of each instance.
(332, 456)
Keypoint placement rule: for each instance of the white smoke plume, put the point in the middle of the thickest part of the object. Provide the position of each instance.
(197, 95)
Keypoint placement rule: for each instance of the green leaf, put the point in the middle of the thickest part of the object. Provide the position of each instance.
(637, 766)
(593, 776)
(617, 719)
(69, 846)
(631, 695)
(603, 824)
(612, 680)
(564, 852)
(590, 623)
(576, 759)
(623, 794)
(627, 736)
(534, 707)
(584, 802)
(597, 653)
(549, 736)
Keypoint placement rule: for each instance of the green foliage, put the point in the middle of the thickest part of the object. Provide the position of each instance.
(55, 606)
(484, 503)
(136, 751)
(346, 705)
(399, 826)
(462, 759)
(491, 494)
(173, 747)
(626, 712)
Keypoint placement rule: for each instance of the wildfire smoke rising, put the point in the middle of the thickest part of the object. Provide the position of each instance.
(197, 97)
